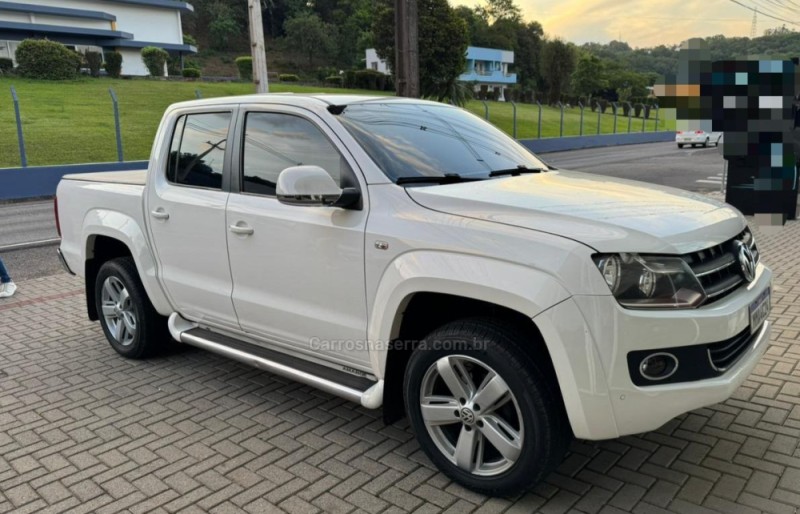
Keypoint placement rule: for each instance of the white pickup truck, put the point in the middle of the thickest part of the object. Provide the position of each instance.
(408, 255)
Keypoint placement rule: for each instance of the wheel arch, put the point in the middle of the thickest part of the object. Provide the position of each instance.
(110, 234)
(454, 286)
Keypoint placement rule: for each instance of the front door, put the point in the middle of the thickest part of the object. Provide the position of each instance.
(298, 272)
(186, 211)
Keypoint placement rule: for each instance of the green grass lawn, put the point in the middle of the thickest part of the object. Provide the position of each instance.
(73, 122)
(501, 114)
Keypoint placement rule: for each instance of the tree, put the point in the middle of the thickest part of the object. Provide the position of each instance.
(496, 10)
(558, 63)
(223, 25)
(442, 46)
(589, 77)
(528, 55)
(309, 34)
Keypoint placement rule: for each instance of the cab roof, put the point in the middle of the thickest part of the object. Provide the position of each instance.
(313, 100)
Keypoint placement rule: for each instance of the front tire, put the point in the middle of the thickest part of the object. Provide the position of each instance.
(487, 413)
(130, 322)
(680, 145)
(705, 145)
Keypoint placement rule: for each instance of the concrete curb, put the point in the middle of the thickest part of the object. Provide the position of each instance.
(29, 244)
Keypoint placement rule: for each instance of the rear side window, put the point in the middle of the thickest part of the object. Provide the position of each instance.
(275, 141)
(197, 152)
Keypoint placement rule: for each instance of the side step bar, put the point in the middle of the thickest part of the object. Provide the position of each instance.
(368, 393)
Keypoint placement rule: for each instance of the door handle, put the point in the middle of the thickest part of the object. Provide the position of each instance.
(160, 214)
(242, 230)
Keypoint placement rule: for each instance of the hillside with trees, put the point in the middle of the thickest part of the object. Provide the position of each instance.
(322, 38)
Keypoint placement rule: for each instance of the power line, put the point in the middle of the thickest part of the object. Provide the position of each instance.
(755, 9)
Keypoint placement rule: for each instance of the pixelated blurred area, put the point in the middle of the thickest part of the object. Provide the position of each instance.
(755, 104)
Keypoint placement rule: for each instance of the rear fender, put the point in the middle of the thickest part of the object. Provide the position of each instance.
(124, 228)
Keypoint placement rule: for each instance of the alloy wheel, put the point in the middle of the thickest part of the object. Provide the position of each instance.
(118, 311)
(472, 416)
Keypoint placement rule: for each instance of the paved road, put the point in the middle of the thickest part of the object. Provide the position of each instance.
(697, 169)
(24, 222)
(659, 163)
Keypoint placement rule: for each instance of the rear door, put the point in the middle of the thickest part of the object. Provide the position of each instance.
(185, 205)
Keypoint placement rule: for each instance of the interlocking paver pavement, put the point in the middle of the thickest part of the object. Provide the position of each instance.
(83, 430)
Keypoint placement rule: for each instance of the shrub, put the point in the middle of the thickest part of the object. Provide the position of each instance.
(189, 39)
(154, 58)
(174, 66)
(94, 61)
(370, 79)
(324, 72)
(6, 64)
(349, 79)
(113, 64)
(288, 77)
(191, 73)
(48, 60)
(334, 80)
(245, 66)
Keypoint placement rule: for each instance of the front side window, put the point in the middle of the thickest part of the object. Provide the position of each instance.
(274, 142)
(197, 153)
(407, 140)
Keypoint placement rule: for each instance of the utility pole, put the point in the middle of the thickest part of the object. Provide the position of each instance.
(406, 48)
(257, 47)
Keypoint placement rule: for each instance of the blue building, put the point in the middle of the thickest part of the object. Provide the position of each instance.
(123, 25)
(489, 67)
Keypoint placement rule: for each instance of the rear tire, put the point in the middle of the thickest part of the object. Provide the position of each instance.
(130, 322)
(501, 430)
(705, 145)
(680, 145)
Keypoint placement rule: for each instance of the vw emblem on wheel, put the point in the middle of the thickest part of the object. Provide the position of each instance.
(467, 416)
(746, 261)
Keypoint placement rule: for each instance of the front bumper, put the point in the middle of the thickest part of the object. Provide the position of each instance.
(597, 335)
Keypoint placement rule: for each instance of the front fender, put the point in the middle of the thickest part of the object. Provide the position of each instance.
(520, 288)
(124, 228)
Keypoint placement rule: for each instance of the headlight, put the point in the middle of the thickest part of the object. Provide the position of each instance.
(650, 281)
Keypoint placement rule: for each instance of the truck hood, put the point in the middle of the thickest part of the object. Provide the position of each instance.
(607, 214)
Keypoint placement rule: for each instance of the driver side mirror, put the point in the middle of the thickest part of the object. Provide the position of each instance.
(312, 186)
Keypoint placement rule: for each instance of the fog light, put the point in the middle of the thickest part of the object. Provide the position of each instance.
(658, 366)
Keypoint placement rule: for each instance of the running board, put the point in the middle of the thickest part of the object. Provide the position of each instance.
(368, 393)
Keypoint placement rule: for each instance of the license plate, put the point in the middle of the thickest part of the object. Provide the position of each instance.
(759, 310)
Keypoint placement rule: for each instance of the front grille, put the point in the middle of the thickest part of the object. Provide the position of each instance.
(718, 268)
(724, 354)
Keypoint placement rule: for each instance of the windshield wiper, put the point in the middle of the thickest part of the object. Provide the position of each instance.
(519, 170)
(447, 178)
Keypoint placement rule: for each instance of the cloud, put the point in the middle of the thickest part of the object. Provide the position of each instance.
(640, 23)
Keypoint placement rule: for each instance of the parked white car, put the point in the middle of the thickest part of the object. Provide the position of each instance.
(697, 137)
(406, 254)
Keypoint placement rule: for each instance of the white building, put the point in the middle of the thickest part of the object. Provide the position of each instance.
(123, 25)
(376, 63)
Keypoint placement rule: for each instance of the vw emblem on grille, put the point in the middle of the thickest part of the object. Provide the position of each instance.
(746, 261)
(467, 416)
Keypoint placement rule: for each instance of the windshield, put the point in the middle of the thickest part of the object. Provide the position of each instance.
(413, 140)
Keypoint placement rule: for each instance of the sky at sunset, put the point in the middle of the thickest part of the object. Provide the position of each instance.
(641, 23)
